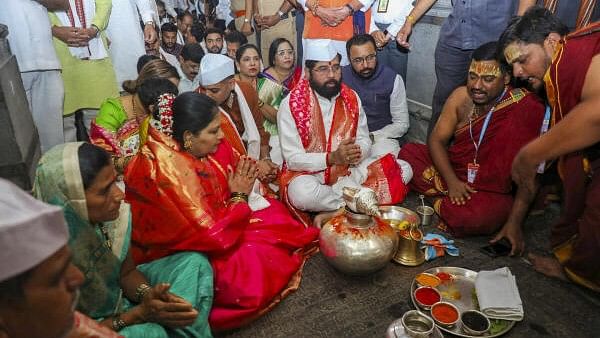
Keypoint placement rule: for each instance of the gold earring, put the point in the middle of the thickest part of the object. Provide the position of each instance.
(187, 145)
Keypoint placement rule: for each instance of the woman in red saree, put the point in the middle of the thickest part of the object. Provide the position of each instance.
(188, 192)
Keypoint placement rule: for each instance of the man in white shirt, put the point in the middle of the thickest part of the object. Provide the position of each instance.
(30, 39)
(189, 61)
(381, 90)
(386, 20)
(325, 141)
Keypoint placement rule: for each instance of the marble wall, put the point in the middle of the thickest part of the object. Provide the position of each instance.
(421, 72)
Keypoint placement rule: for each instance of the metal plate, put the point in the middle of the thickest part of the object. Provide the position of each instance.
(396, 330)
(460, 293)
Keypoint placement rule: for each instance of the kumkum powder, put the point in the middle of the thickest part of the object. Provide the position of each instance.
(427, 296)
(426, 279)
(444, 313)
(444, 277)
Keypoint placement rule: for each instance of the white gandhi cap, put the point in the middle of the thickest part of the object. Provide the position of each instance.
(30, 230)
(215, 68)
(320, 50)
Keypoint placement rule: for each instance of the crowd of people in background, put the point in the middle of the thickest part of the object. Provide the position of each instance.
(193, 149)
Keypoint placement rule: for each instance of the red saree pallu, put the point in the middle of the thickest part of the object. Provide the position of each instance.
(515, 121)
(179, 203)
(576, 236)
(384, 175)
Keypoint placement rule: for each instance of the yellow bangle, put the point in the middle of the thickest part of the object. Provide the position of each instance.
(410, 18)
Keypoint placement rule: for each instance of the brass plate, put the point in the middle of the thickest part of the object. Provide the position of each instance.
(463, 285)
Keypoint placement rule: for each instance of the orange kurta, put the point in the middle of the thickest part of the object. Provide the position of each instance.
(314, 29)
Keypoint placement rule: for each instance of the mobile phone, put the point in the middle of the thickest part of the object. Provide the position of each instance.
(500, 248)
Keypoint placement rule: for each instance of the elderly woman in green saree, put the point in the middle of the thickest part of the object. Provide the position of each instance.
(169, 297)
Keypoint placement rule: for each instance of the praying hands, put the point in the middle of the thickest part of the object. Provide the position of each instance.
(348, 153)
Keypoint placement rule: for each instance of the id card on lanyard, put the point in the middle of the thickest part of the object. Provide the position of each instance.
(473, 167)
(545, 125)
(383, 6)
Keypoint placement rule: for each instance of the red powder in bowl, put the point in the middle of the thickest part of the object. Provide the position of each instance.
(427, 296)
(444, 313)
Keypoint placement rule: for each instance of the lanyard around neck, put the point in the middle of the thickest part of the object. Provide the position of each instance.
(485, 125)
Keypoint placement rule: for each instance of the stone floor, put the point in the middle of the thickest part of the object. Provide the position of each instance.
(329, 304)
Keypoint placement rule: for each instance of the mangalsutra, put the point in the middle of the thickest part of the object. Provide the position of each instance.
(106, 235)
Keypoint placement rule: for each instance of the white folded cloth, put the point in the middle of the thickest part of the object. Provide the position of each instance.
(498, 294)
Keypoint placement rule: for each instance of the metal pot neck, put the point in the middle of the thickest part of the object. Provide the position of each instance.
(358, 220)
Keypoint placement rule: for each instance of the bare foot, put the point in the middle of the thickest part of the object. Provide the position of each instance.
(323, 217)
(549, 266)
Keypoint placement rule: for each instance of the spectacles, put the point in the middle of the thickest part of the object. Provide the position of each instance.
(285, 52)
(327, 69)
(369, 58)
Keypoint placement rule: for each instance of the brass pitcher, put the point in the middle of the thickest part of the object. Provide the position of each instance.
(409, 235)
(409, 253)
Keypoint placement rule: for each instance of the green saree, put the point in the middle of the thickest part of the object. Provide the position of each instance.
(100, 255)
(271, 93)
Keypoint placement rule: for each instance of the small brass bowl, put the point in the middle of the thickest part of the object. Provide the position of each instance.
(394, 216)
(426, 289)
(471, 318)
(417, 324)
(442, 322)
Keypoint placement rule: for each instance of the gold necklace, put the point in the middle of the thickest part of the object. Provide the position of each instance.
(282, 77)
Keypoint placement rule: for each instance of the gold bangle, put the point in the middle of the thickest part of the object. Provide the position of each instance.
(117, 323)
(235, 200)
(410, 18)
(239, 195)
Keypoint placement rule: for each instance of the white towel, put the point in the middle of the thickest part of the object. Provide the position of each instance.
(95, 49)
(498, 295)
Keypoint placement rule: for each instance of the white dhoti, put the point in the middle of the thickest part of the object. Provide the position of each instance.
(310, 193)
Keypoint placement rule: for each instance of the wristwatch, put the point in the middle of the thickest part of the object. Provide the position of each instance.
(350, 8)
(246, 20)
(281, 15)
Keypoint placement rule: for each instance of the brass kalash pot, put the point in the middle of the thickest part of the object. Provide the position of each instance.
(355, 242)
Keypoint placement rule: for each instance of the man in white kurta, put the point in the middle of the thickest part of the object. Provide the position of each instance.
(309, 189)
(127, 41)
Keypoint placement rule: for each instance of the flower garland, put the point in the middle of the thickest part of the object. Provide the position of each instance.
(164, 123)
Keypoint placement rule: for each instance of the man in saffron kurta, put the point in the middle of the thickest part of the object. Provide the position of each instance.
(568, 67)
(335, 21)
(465, 166)
(242, 121)
(325, 142)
